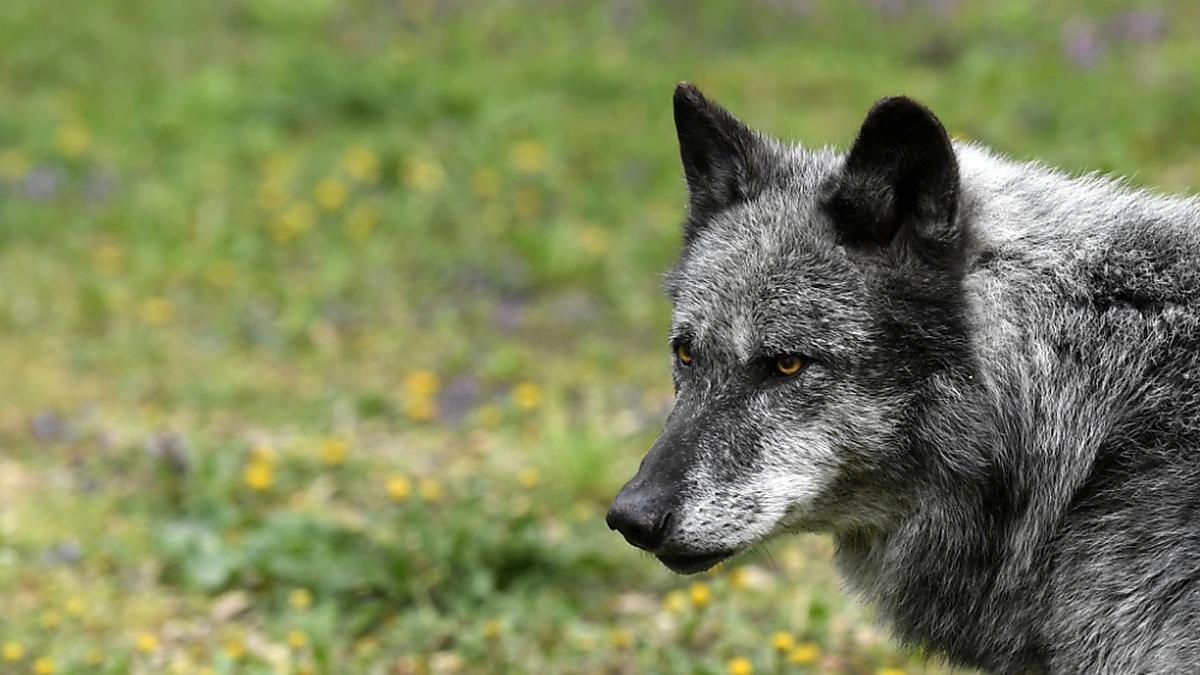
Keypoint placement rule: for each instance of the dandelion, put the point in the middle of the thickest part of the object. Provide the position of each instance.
(739, 665)
(491, 629)
(700, 595)
(399, 488)
(621, 638)
(527, 202)
(157, 311)
(13, 164)
(529, 477)
(72, 139)
(300, 598)
(527, 396)
(430, 489)
(297, 639)
(485, 183)
(12, 651)
(361, 164)
(329, 194)
(420, 409)
(889, 671)
(107, 258)
(675, 601)
(782, 642)
(529, 156)
(44, 666)
(146, 643)
(804, 654)
(425, 175)
(75, 606)
(259, 476)
(333, 450)
(421, 383)
(235, 649)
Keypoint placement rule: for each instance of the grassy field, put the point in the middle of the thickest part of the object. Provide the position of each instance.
(328, 329)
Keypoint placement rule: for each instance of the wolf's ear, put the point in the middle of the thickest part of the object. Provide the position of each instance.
(721, 156)
(900, 180)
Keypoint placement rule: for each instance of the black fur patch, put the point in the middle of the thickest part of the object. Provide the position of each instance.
(900, 180)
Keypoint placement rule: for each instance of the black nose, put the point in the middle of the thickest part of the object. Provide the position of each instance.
(638, 521)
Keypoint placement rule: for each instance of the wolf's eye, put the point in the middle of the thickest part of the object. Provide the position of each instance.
(788, 365)
(683, 354)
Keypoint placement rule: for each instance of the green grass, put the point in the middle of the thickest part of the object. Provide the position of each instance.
(433, 231)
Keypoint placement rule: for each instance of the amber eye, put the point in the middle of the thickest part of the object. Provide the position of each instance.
(789, 365)
(683, 354)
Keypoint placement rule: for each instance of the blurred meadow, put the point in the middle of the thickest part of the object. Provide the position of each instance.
(328, 329)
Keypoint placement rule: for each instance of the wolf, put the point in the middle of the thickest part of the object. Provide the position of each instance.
(980, 376)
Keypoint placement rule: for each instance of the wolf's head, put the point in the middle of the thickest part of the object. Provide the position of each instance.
(814, 295)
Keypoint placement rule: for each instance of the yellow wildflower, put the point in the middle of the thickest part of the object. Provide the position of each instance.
(529, 156)
(675, 601)
(700, 594)
(782, 641)
(422, 383)
(491, 629)
(804, 654)
(146, 643)
(259, 476)
(485, 183)
(75, 606)
(44, 666)
(72, 139)
(94, 657)
(329, 194)
(889, 671)
(361, 164)
(527, 396)
(272, 195)
(425, 175)
(235, 649)
(399, 488)
(297, 639)
(293, 222)
(739, 665)
(430, 489)
(300, 598)
(333, 450)
(157, 311)
(420, 409)
(620, 638)
(13, 651)
(529, 477)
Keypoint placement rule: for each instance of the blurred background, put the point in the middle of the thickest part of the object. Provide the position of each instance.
(328, 329)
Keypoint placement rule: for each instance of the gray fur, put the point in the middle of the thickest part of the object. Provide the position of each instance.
(1009, 462)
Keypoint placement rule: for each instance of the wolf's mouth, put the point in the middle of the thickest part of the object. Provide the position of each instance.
(691, 563)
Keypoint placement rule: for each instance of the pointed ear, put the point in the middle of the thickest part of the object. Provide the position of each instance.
(900, 181)
(721, 156)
